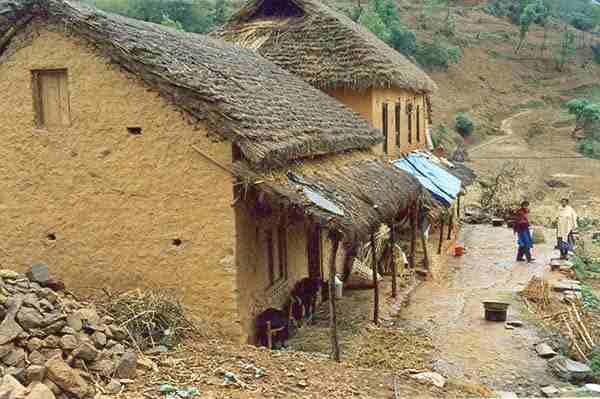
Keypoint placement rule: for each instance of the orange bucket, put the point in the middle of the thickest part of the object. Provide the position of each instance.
(459, 251)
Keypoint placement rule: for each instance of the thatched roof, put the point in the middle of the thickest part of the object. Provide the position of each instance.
(324, 47)
(367, 191)
(273, 116)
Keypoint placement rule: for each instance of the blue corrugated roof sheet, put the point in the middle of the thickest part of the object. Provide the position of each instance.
(443, 186)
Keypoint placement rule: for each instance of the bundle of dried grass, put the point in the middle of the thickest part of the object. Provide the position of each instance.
(538, 292)
(151, 317)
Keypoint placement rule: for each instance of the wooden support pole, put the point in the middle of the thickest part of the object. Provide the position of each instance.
(451, 226)
(441, 235)
(413, 235)
(424, 244)
(375, 283)
(458, 207)
(394, 268)
(335, 347)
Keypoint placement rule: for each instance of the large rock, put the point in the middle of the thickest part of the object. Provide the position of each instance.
(30, 318)
(568, 369)
(35, 374)
(9, 274)
(10, 384)
(127, 368)
(67, 378)
(15, 358)
(87, 352)
(78, 319)
(433, 378)
(544, 350)
(35, 344)
(9, 328)
(39, 273)
(99, 339)
(104, 367)
(40, 391)
(68, 342)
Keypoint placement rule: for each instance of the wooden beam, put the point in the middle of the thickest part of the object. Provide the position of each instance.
(375, 283)
(441, 235)
(458, 207)
(334, 236)
(424, 244)
(451, 226)
(394, 268)
(413, 235)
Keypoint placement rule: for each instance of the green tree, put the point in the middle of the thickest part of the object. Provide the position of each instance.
(371, 20)
(567, 49)
(221, 12)
(534, 11)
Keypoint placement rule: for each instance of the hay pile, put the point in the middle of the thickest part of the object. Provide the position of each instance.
(537, 292)
(151, 317)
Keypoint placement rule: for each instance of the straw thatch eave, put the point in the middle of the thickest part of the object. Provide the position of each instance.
(271, 115)
(369, 191)
(322, 46)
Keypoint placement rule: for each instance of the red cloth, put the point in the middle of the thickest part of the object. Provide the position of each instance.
(521, 219)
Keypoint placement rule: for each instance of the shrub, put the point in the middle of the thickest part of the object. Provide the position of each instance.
(435, 55)
(403, 40)
(440, 135)
(372, 21)
(464, 125)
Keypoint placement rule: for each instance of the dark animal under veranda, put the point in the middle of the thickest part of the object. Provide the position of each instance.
(279, 327)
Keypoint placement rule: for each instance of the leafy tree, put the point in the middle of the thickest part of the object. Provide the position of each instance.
(534, 11)
(434, 54)
(372, 21)
(221, 12)
(464, 125)
(403, 40)
(567, 49)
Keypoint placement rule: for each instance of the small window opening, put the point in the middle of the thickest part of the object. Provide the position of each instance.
(236, 153)
(282, 252)
(51, 98)
(418, 123)
(51, 237)
(270, 257)
(177, 242)
(135, 131)
(384, 122)
(397, 122)
(410, 121)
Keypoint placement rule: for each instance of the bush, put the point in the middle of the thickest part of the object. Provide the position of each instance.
(434, 55)
(596, 52)
(372, 21)
(403, 40)
(464, 125)
(440, 135)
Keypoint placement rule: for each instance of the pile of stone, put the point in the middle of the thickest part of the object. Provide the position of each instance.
(52, 345)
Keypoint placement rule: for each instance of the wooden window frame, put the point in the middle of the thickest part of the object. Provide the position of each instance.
(418, 116)
(270, 257)
(398, 121)
(385, 126)
(37, 97)
(409, 113)
(282, 252)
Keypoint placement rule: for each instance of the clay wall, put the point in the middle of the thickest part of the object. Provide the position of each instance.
(105, 206)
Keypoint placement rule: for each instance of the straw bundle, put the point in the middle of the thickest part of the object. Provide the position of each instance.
(151, 317)
(538, 292)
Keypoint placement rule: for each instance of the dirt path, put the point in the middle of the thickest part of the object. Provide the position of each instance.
(505, 127)
(452, 312)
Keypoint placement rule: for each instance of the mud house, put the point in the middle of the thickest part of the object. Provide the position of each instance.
(134, 155)
(345, 60)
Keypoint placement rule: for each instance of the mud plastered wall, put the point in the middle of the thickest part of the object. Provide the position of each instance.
(104, 207)
(256, 291)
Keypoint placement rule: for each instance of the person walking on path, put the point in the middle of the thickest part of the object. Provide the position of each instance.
(521, 229)
(567, 224)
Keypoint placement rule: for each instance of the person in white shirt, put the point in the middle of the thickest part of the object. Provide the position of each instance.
(567, 224)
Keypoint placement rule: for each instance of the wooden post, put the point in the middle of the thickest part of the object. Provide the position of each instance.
(441, 235)
(424, 244)
(269, 336)
(413, 235)
(458, 207)
(375, 283)
(451, 226)
(335, 347)
(394, 268)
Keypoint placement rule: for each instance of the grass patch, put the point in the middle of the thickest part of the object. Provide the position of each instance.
(589, 92)
(531, 104)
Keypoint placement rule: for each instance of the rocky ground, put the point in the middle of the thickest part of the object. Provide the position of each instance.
(53, 346)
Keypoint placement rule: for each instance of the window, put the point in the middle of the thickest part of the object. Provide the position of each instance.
(277, 272)
(397, 122)
(51, 98)
(270, 257)
(418, 116)
(384, 123)
(282, 252)
(410, 120)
